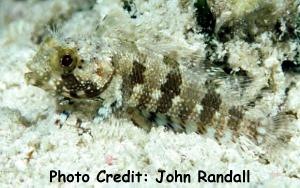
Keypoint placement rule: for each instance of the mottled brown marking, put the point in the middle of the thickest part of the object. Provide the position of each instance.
(70, 81)
(144, 99)
(136, 75)
(90, 89)
(235, 118)
(210, 103)
(74, 85)
(187, 111)
(169, 89)
(191, 95)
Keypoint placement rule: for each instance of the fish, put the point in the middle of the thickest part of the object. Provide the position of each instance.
(92, 76)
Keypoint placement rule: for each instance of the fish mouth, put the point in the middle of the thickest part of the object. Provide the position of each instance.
(31, 79)
(40, 81)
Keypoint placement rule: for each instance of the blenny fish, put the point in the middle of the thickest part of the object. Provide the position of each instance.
(92, 76)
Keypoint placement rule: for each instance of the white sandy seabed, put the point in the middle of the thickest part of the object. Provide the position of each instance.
(32, 143)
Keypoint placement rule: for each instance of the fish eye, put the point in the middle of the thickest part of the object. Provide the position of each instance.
(66, 60)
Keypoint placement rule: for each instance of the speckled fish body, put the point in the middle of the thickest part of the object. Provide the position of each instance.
(150, 89)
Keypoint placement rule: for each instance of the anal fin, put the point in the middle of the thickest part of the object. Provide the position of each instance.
(138, 119)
